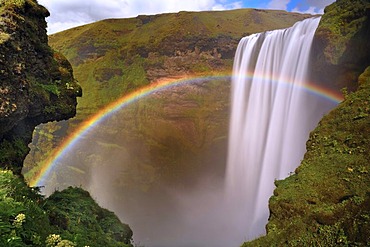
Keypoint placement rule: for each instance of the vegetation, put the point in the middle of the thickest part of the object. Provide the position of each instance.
(76, 216)
(139, 50)
(326, 202)
(341, 44)
(69, 218)
(22, 221)
(343, 22)
(37, 85)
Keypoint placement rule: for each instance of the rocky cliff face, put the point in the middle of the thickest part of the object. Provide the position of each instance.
(326, 201)
(37, 84)
(341, 44)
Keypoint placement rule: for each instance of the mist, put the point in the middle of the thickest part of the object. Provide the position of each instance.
(167, 217)
(159, 164)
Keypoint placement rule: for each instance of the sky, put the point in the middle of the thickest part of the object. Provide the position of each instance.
(65, 14)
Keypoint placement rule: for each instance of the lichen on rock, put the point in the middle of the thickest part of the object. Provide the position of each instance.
(341, 44)
(36, 83)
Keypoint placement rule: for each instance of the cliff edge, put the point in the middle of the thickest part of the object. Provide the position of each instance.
(327, 201)
(341, 44)
(37, 86)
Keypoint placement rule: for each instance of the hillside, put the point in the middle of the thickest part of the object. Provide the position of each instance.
(116, 56)
(113, 57)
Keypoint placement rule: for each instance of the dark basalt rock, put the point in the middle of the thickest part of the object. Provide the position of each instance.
(37, 84)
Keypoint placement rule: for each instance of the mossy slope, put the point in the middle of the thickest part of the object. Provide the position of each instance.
(341, 43)
(327, 201)
(76, 216)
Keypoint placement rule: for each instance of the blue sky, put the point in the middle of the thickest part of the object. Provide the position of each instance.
(70, 13)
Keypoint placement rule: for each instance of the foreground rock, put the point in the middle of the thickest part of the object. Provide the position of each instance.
(37, 86)
(341, 44)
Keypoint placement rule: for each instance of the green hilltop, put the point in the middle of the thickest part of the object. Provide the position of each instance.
(112, 57)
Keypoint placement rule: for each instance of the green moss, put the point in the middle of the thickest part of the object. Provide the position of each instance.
(326, 203)
(340, 24)
(44, 92)
(11, 150)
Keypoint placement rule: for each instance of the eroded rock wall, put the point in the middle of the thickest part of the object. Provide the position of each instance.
(36, 83)
(341, 44)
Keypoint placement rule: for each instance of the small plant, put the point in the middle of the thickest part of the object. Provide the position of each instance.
(52, 240)
(344, 92)
(55, 240)
(19, 220)
(50, 88)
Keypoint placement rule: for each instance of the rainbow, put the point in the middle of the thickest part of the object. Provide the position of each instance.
(67, 144)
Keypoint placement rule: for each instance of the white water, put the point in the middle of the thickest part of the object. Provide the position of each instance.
(270, 120)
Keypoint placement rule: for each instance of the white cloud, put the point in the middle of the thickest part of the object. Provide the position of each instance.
(234, 5)
(278, 4)
(69, 13)
(319, 4)
(312, 6)
(311, 10)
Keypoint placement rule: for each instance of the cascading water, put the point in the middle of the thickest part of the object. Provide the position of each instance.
(271, 118)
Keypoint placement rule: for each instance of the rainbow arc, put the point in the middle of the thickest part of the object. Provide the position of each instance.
(67, 144)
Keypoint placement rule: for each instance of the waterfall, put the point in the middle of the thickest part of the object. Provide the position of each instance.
(271, 117)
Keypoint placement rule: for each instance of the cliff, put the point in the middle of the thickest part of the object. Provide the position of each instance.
(341, 47)
(37, 86)
(327, 201)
